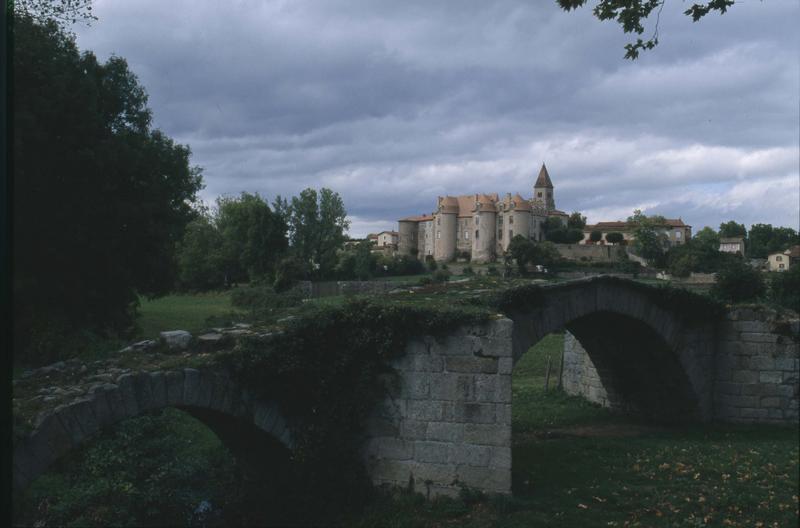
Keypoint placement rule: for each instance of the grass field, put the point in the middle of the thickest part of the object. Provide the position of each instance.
(182, 312)
(577, 465)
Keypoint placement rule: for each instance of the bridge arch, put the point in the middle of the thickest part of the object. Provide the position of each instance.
(245, 425)
(650, 359)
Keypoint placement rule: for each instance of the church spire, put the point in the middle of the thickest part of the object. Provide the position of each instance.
(544, 178)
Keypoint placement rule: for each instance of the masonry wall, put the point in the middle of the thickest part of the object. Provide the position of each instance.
(758, 358)
(580, 377)
(448, 422)
(594, 253)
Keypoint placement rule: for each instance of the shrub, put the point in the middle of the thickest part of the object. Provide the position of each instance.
(441, 275)
(784, 288)
(262, 299)
(491, 270)
(596, 236)
(287, 272)
(467, 270)
(614, 237)
(432, 265)
(738, 282)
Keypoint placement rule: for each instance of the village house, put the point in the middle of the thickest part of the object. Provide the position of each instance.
(733, 245)
(783, 260)
(675, 231)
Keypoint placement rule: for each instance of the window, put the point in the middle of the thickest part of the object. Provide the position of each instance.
(780, 266)
(538, 194)
(438, 234)
(511, 219)
(466, 235)
(779, 258)
(476, 233)
(678, 235)
(438, 220)
(477, 220)
(510, 234)
(500, 234)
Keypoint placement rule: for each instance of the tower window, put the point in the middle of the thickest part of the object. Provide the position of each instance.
(466, 235)
(477, 220)
(539, 194)
(510, 234)
(476, 233)
(511, 219)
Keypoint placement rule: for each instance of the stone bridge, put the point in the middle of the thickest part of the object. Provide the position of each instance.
(448, 424)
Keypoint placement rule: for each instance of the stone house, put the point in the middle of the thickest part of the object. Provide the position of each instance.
(733, 245)
(479, 225)
(387, 238)
(675, 230)
(783, 260)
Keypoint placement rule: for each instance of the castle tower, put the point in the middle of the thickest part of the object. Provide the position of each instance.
(445, 225)
(543, 191)
(484, 218)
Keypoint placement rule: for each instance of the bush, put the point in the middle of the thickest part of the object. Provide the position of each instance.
(288, 271)
(596, 236)
(784, 288)
(441, 275)
(467, 270)
(432, 265)
(491, 270)
(738, 282)
(614, 237)
(263, 300)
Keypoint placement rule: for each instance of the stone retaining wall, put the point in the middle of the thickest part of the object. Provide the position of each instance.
(448, 423)
(580, 377)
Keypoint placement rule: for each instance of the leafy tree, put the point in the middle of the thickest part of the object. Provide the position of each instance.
(614, 237)
(765, 239)
(253, 237)
(317, 226)
(649, 242)
(632, 14)
(732, 229)
(522, 251)
(553, 223)
(596, 236)
(738, 282)
(100, 199)
(784, 288)
(200, 259)
(697, 255)
(707, 238)
(59, 12)
(576, 221)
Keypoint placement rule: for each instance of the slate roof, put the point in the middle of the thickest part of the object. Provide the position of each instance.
(544, 178)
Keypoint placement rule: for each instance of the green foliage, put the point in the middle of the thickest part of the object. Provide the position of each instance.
(100, 198)
(359, 263)
(253, 237)
(596, 236)
(147, 471)
(468, 271)
(738, 282)
(784, 288)
(632, 14)
(706, 238)
(199, 256)
(289, 270)
(649, 242)
(441, 275)
(525, 251)
(732, 229)
(262, 299)
(317, 227)
(765, 239)
(59, 12)
(699, 256)
(431, 263)
(326, 372)
(576, 221)
(614, 237)
(564, 236)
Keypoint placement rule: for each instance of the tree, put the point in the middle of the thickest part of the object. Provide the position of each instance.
(576, 221)
(317, 227)
(707, 238)
(596, 236)
(784, 288)
(649, 242)
(765, 239)
(200, 259)
(631, 15)
(614, 237)
(59, 12)
(253, 237)
(732, 229)
(522, 251)
(101, 200)
(738, 282)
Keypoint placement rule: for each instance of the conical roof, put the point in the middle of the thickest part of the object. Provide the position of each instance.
(544, 179)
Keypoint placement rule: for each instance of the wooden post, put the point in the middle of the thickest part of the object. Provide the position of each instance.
(547, 376)
(561, 371)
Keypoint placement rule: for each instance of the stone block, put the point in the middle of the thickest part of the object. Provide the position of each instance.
(772, 402)
(505, 365)
(144, 392)
(769, 376)
(503, 413)
(191, 386)
(396, 472)
(445, 432)
(495, 347)
(786, 364)
(500, 457)
(390, 448)
(745, 376)
(452, 387)
(485, 387)
(501, 328)
(174, 385)
(265, 416)
(428, 451)
(413, 429)
(729, 388)
(425, 410)
(751, 326)
(471, 455)
(176, 339)
(430, 473)
(471, 364)
(158, 389)
(474, 412)
(492, 435)
(758, 337)
(754, 414)
(761, 363)
(760, 389)
(415, 386)
(125, 383)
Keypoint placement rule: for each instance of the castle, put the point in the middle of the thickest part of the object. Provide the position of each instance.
(480, 225)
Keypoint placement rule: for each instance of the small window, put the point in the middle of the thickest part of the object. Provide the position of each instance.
(538, 194)
(438, 220)
(477, 220)
(779, 258)
(510, 234)
(780, 266)
(678, 235)
(476, 233)
(511, 219)
(466, 235)
(439, 234)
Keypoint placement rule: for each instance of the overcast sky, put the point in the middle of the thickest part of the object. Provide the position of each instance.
(392, 103)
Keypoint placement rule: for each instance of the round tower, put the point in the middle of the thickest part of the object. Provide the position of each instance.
(521, 214)
(484, 230)
(407, 237)
(445, 224)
